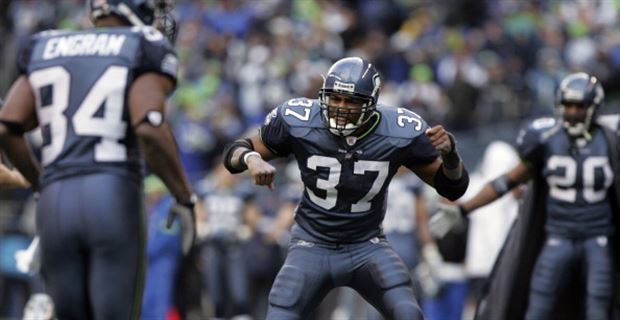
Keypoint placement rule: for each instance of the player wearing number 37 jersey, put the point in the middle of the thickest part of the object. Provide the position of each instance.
(98, 96)
(347, 148)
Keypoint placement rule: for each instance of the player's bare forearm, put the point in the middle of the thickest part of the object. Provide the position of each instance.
(161, 154)
(257, 145)
(498, 187)
(12, 178)
(421, 218)
(485, 196)
(147, 99)
(251, 154)
(18, 151)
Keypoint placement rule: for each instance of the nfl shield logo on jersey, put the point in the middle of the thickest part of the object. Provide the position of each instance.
(351, 140)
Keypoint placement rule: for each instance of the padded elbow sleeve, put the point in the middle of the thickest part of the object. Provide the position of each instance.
(230, 150)
(451, 189)
(13, 128)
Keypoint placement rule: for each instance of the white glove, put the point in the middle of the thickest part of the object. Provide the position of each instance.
(447, 217)
(186, 215)
(429, 282)
(432, 257)
(40, 306)
(29, 260)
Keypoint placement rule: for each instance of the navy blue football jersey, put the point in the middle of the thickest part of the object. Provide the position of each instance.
(81, 82)
(345, 179)
(578, 176)
(225, 206)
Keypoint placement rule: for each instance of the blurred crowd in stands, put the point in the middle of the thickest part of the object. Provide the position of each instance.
(479, 67)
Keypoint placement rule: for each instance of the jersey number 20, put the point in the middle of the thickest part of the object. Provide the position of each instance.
(562, 187)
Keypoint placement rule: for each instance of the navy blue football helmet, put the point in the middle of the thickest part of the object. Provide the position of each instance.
(581, 89)
(138, 13)
(356, 82)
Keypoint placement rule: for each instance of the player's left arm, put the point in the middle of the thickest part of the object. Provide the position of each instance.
(147, 99)
(17, 117)
(446, 174)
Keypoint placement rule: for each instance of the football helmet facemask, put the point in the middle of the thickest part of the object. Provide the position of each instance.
(579, 89)
(349, 95)
(155, 13)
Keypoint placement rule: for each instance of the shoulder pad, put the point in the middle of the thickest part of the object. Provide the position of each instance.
(542, 124)
(50, 33)
(536, 132)
(301, 112)
(400, 122)
(538, 128)
(612, 121)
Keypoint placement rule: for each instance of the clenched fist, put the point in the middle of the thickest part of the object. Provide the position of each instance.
(261, 171)
(441, 139)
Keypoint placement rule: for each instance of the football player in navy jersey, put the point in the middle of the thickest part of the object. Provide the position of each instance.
(347, 148)
(573, 161)
(98, 96)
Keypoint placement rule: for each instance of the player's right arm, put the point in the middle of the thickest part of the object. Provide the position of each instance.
(530, 150)
(451, 215)
(253, 152)
(17, 117)
(497, 188)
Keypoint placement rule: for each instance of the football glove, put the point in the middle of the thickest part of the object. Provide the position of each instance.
(29, 259)
(40, 306)
(431, 256)
(187, 216)
(447, 217)
(429, 282)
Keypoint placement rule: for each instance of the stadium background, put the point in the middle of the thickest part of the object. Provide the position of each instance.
(480, 68)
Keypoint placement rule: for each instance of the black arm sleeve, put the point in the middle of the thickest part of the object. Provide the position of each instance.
(230, 150)
(451, 189)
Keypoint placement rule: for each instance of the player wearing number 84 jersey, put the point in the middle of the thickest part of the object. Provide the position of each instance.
(347, 148)
(98, 96)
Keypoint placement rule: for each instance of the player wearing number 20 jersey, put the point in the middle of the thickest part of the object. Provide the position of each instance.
(562, 248)
(81, 81)
(578, 175)
(346, 179)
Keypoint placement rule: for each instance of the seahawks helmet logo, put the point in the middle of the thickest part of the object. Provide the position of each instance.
(348, 87)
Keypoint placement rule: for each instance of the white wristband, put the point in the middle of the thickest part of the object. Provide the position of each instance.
(247, 155)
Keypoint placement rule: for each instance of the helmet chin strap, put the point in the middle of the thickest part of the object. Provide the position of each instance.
(580, 129)
(577, 130)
